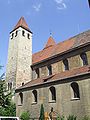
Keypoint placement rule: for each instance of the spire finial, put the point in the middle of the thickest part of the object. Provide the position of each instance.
(50, 32)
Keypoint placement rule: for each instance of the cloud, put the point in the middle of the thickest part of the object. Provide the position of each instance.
(60, 4)
(58, 1)
(37, 7)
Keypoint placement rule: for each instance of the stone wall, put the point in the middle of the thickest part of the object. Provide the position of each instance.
(19, 58)
(64, 104)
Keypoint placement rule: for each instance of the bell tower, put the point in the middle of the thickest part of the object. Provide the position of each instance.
(18, 70)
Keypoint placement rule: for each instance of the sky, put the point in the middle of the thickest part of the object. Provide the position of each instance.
(60, 18)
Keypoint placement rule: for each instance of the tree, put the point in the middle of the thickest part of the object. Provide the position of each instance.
(41, 113)
(5, 97)
(25, 116)
(7, 108)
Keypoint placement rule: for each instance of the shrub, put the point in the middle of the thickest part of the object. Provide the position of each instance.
(60, 118)
(8, 111)
(25, 116)
(71, 117)
(85, 118)
(41, 113)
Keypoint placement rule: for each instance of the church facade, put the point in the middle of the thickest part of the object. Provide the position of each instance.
(57, 76)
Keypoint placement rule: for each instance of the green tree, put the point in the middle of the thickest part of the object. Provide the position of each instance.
(7, 108)
(25, 116)
(41, 113)
(5, 97)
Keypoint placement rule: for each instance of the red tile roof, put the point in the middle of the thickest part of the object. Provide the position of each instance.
(50, 43)
(52, 49)
(22, 23)
(60, 76)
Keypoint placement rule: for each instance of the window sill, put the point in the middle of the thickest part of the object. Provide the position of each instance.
(53, 101)
(33, 103)
(72, 99)
(20, 105)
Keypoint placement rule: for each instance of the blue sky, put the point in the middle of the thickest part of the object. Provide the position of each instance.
(63, 18)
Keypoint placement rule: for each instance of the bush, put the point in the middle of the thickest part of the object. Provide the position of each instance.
(85, 118)
(71, 117)
(8, 111)
(25, 116)
(60, 118)
(41, 113)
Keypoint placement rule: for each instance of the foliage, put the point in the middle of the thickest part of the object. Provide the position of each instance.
(60, 118)
(7, 108)
(71, 117)
(85, 118)
(25, 116)
(41, 113)
(5, 97)
(9, 111)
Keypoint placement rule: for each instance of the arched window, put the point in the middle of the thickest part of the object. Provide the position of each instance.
(16, 33)
(66, 66)
(75, 90)
(84, 59)
(20, 98)
(37, 73)
(12, 35)
(28, 36)
(52, 92)
(34, 96)
(23, 33)
(49, 69)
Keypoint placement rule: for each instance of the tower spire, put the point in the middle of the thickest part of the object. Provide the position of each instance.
(22, 23)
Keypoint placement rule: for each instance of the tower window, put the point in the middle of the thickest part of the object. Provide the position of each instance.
(84, 58)
(66, 66)
(49, 70)
(52, 96)
(23, 33)
(12, 35)
(34, 96)
(10, 86)
(28, 36)
(16, 33)
(37, 72)
(75, 90)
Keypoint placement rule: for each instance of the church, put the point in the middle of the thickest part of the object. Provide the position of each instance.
(58, 76)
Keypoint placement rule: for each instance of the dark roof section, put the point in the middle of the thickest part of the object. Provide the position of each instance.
(22, 23)
(57, 77)
(53, 49)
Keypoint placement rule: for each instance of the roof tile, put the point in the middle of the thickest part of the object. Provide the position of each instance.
(60, 76)
(52, 48)
(22, 23)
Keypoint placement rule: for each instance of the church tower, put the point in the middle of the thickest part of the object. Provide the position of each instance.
(18, 70)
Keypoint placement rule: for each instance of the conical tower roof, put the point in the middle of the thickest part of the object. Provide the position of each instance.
(50, 42)
(22, 23)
